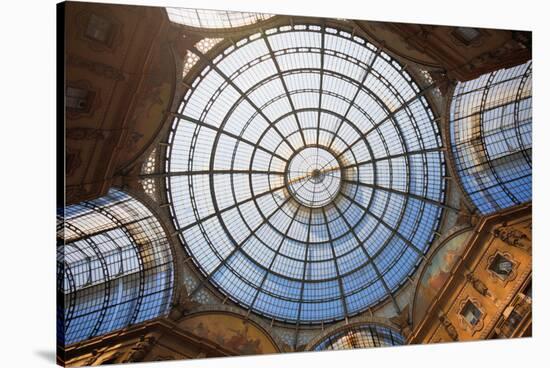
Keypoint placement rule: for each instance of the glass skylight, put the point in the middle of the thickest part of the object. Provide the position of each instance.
(203, 18)
(313, 176)
(366, 335)
(490, 123)
(305, 174)
(114, 267)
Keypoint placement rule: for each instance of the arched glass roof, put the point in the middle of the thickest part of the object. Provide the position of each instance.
(490, 125)
(114, 266)
(366, 335)
(203, 18)
(305, 174)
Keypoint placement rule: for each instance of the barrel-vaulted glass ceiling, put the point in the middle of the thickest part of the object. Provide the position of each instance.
(114, 267)
(366, 335)
(305, 173)
(203, 18)
(490, 126)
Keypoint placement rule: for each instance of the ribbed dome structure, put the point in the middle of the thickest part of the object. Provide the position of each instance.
(305, 173)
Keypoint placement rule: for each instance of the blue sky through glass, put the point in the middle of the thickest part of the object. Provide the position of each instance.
(491, 137)
(330, 244)
(114, 265)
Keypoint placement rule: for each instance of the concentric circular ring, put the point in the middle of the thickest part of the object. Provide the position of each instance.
(304, 254)
(313, 177)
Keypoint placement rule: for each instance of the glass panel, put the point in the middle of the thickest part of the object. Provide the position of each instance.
(307, 175)
(360, 337)
(116, 267)
(202, 18)
(491, 138)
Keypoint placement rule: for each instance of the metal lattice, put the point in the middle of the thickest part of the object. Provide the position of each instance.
(360, 337)
(305, 173)
(114, 266)
(490, 124)
(203, 18)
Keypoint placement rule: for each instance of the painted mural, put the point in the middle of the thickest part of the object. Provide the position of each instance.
(231, 332)
(437, 272)
(152, 101)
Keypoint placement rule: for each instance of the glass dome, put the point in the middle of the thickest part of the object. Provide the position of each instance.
(305, 173)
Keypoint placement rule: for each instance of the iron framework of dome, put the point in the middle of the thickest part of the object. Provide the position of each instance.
(305, 173)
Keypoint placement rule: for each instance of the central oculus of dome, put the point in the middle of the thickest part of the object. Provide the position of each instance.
(313, 176)
(304, 173)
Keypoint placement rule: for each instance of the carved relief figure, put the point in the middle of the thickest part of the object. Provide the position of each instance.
(478, 285)
(140, 350)
(448, 326)
(512, 237)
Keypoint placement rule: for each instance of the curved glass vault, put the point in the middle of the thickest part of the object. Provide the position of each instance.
(204, 18)
(366, 335)
(490, 125)
(305, 173)
(114, 266)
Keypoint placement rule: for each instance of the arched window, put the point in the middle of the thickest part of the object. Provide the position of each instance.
(366, 335)
(114, 267)
(490, 126)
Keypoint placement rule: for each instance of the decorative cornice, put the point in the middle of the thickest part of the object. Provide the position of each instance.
(484, 223)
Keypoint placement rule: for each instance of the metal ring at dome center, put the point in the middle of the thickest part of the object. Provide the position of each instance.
(313, 176)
